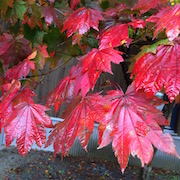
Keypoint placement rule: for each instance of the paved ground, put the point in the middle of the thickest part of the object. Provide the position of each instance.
(40, 165)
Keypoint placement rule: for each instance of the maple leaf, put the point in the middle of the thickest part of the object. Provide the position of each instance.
(92, 65)
(115, 36)
(42, 54)
(74, 3)
(19, 8)
(132, 124)
(79, 118)
(146, 5)
(4, 4)
(155, 71)
(81, 20)
(27, 123)
(112, 12)
(64, 92)
(9, 92)
(11, 97)
(14, 49)
(52, 14)
(34, 18)
(168, 18)
(22, 69)
(137, 23)
(82, 82)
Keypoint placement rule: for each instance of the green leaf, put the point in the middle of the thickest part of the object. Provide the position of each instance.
(147, 49)
(131, 33)
(34, 35)
(15, 29)
(152, 48)
(53, 38)
(20, 8)
(105, 4)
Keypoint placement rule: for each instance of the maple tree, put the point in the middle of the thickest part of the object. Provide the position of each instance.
(97, 33)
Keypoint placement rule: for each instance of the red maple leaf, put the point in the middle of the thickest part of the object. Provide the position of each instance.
(82, 20)
(27, 123)
(14, 49)
(168, 18)
(115, 36)
(132, 126)
(155, 71)
(137, 23)
(9, 93)
(112, 12)
(92, 65)
(22, 69)
(146, 5)
(64, 92)
(51, 15)
(79, 118)
(74, 3)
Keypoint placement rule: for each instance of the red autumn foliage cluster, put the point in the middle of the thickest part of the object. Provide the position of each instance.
(98, 33)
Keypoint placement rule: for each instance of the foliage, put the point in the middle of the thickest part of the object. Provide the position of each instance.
(97, 33)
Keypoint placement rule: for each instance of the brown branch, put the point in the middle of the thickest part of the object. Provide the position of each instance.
(52, 70)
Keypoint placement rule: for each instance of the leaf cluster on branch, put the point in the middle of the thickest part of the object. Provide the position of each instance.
(96, 33)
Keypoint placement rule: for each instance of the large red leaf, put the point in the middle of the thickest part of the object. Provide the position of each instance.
(64, 92)
(9, 93)
(101, 59)
(14, 49)
(82, 20)
(146, 5)
(27, 122)
(169, 19)
(155, 71)
(22, 69)
(131, 126)
(79, 118)
(115, 36)
(92, 65)
(51, 15)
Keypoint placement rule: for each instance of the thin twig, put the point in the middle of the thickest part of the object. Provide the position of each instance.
(52, 70)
